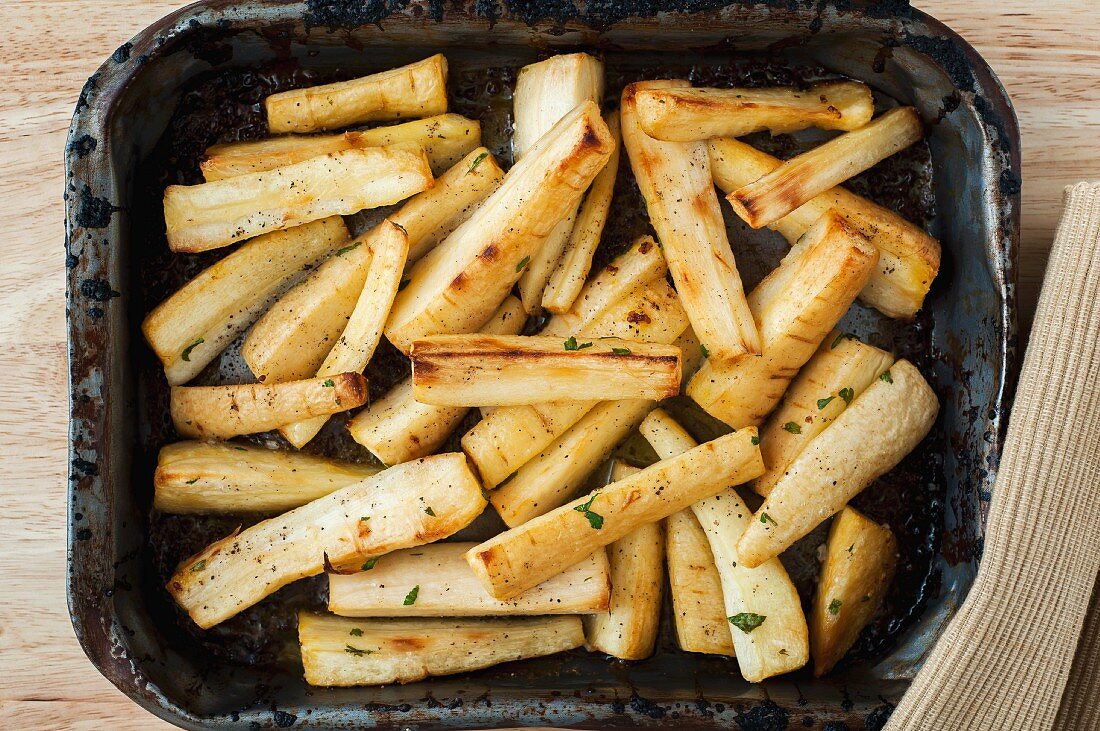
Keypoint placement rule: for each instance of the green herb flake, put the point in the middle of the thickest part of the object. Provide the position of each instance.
(477, 161)
(747, 621)
(369, 564)
(350, 247)
(792, 427)
(765, 519)
(594, 519)
(192, 482)
(410, 598)
(847, 394)
(402, 284)
(571, 343)
(621, 351)
(823, 402)
(329, 383)
(186, 355)
(582, 346)
(364, 518)
(356, 651)
(841, 338)
(356, 632)
(429, 511)
(755, 440)
(704, 350)
(199, 566)
(886, 377)
(834, 607)
(522, 263)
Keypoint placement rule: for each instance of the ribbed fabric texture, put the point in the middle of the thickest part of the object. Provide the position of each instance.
(1004, 661)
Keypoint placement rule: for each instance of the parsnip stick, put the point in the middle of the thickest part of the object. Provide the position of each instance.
(398, 428)
(799, 179)
(795, 308)
(675, 181)
(216, 477)
(560, 471)
(376, 516)
(866, 441)
(522, 557)
(211, 215)
(576, 260)
(814, 400)
(860, 558)
(189, 329)
(456, 287)
(448, 588)
(628, 629)
(355, 346)
(291, 340)
(545, 92)
(512, 435)
(445, 140)
(686, 115)
(338, 651)
(416, 90)
(431, 216)
(221, 412)
(471, 370)
(769, 628)
(698, 613)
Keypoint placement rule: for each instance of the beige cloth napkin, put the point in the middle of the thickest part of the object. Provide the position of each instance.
(1004, 662)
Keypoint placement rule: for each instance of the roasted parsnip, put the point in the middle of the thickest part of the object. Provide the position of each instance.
(216, 477)
(416, 90)
(762, 605)
(292, 339)
(860, 559)
(568, 278)
(376, 516)
(488, 370)
(559, 472)
(190, 328)
(687, 115)
(815, 399)
(221, 412)
(211, 215)
(545, 92)
(448, 588)
(867, 440)
(628, 629)
(698, 614)
(445, 140)
(675, 181)
(795, 308)
(522, 557)
(398, 428)
(512, 435)
(456, 287)
(355, 346)
(339, 651)
(908, 257)
(799, 179)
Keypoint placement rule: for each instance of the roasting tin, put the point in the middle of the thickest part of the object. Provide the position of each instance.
(131, 135)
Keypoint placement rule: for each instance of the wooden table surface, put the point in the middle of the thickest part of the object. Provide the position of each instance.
(1046, 56)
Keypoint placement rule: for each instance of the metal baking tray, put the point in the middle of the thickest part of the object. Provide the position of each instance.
(197, 77)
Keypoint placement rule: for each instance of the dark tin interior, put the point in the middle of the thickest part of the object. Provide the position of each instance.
(131, 135)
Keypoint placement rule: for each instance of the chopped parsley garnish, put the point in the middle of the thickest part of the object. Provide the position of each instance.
(747, 621)
(847, 394)
(572, 344)
(886, 377)
(369, 564)
(356, 632)
(704, 350)
(364, 518)
(186, 355)
(823, 402)
(755, 440)
(329, 383)
(834, 607)
(350, 247)
(792, 427)
(429, 511)
(621, 351)
(522, 263)
(410, 598)
(198, 566)
(841, 338)
(356, 651)
(594, 519)
(765, 519)
(477, 161)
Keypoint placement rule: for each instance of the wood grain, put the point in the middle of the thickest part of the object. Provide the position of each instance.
(51, 46)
